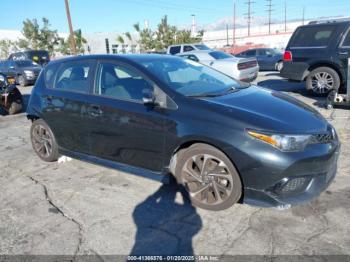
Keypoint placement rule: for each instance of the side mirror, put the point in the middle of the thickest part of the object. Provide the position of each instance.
(148, 97)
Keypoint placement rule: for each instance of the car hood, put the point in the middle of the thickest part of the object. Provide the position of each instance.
(268, 110)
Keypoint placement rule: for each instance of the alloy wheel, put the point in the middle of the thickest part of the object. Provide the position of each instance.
(207, 179)
(42, 141)
(322, 82)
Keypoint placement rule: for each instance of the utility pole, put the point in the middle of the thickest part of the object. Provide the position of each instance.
(227, 43)
(285, 16)
(269, 11)
(71, 31)
(249, 14)
(194, 26)
(234, 23)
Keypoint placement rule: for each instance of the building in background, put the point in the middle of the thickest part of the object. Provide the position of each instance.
(107, 43)
(259, 36)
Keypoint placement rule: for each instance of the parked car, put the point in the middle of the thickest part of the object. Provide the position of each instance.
(243, 69)
(224, 141)
(318, 54)
(40, 57)
(269, 59)
(175, 49)
(24, 71)
(11, 100)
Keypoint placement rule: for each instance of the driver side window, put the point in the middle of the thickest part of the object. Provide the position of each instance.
(121, 82)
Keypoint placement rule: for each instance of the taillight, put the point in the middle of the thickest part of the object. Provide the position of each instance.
(287, 56)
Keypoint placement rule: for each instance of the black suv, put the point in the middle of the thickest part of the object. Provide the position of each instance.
(24, 71)
(318, 53)
(41, 57)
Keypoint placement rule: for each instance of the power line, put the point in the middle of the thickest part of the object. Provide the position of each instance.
(269, 11)
(249, 14)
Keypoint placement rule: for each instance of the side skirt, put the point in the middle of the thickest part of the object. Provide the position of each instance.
(156, 176)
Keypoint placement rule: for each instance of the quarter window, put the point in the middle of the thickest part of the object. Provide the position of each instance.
(188, 48)
(73, 77)
(346, 41)
(121, 82)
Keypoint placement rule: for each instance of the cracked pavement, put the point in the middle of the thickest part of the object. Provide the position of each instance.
(76, 208)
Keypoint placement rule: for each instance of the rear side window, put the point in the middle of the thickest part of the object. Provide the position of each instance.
(319, 36)
(188, 48)
(250, 53)
(346, 42)
(73, 76)
(175, 50)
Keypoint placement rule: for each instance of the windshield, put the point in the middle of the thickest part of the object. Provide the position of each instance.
(219, 55)
(202, 47)
(26, 63)
(190, 78)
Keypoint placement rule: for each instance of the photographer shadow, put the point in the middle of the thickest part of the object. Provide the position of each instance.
(165, 227)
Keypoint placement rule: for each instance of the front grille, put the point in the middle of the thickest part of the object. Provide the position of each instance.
(322, 139)
(246, 65)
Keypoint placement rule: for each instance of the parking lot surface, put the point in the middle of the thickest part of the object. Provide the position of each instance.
(75, 208)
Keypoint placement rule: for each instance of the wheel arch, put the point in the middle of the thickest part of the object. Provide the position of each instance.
(218, 145)
(324, 64)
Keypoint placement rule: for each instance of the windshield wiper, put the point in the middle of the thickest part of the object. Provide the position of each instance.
(225, 92)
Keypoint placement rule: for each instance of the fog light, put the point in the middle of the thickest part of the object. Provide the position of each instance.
(293, 186)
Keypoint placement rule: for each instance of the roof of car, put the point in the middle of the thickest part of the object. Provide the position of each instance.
(130, 57)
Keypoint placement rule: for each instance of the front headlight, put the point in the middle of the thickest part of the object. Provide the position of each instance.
(286, 143)
(29, 73)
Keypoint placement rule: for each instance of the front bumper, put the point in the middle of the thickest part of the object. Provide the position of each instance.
(287, 179)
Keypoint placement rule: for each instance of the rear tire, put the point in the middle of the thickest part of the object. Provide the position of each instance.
(15, 107)
(322, 80)
(209, 177)
(279, 66)
(43, 141)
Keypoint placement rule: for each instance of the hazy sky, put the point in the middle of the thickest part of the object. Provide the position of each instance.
(120, 15)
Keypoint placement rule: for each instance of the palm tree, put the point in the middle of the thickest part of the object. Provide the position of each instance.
(120, 39)
(128, 36)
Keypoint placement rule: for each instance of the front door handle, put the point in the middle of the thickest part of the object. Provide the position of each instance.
(343, 53)
(95, 111)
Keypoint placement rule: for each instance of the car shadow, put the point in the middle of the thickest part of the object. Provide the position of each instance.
(166, 226)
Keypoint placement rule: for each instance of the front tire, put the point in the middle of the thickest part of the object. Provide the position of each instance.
(43, 141)
(322, 80)
(209, 177)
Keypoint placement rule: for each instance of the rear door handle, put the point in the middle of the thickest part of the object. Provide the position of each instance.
(95, 111)
(343, 53)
